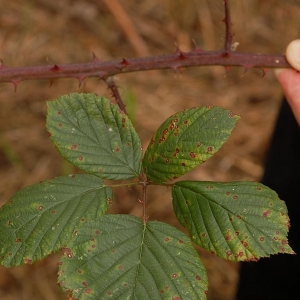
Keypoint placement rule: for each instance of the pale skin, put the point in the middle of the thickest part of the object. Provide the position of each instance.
(290, 78)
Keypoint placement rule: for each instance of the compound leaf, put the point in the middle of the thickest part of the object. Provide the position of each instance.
(118, 257)
(94, 135)
(237, 220)
(186, 140)
(42, 218)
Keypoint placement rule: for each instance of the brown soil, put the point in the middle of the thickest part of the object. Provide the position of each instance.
(47, 32)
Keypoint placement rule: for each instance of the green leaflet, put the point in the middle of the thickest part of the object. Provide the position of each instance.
(186, 140)
(94, 135)
(237, 220)
(42, 218)
(118, 257)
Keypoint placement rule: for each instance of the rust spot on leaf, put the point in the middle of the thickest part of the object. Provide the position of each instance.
(192, 155)
(266, 213)
(27, 261)
(67, 252)
(74, 147)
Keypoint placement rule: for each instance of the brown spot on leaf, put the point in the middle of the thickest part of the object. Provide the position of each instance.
(192, 155)
(266, 213)
(74, 147)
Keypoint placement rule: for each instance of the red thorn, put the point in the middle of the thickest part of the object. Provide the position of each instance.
(80, 80)
(95, 58)
(264, 70)
(3, 65)
(125, 62)
(55, 68)
(51, 82)
(227, 69)
(196, 49)
(15, 83)
(247, 68)
(181, 55)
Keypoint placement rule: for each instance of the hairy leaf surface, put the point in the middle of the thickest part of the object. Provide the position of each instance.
(94, 135)
(118, 257)
(186, 140)
(237, 220)
(42, 218)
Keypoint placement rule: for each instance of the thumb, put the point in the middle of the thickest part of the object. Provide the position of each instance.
(293, 54)
(290, 78)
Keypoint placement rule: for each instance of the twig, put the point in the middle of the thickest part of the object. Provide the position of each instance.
(115, 93)
(104, 69)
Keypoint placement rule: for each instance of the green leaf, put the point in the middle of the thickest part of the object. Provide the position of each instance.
(186, 140)
(42, 218)
(237, 220)
(119, 257)
(94, 135)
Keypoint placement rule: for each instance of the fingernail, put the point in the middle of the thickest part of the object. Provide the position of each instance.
(293, 54)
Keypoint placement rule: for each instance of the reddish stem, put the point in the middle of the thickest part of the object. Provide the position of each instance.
(104, 69)
(115, 93)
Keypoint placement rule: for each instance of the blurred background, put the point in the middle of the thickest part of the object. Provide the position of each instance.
(42, 32)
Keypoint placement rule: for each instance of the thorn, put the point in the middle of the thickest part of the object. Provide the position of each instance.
(181, 55)
(246, 69)
(141, 201)
(227, 69)
(3, 65)
(196, 49)
(264, 70)
(15, 83)
(51, 82)
(80, 80)
(125, 62)
(102, 75)
(95, 58)
(55, 68)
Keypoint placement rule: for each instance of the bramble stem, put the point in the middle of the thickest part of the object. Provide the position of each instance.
(115, 93)
(105, 69)
(170, 61)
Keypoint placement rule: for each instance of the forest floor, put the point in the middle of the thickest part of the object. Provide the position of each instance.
(45, 32)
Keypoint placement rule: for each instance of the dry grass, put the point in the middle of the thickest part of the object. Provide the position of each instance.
(65, 31)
